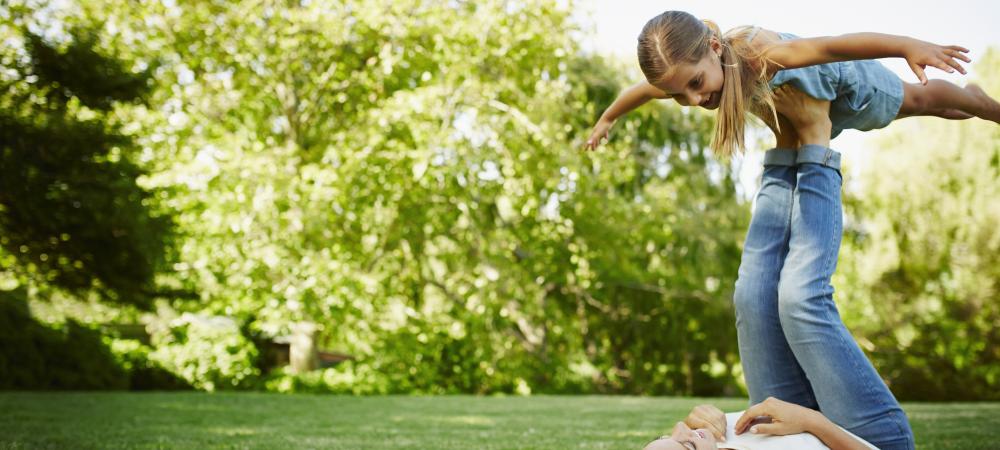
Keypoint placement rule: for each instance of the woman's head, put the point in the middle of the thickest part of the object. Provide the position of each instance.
(684, 438)
(690, 60)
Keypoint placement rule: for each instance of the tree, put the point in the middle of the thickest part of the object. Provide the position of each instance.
(922, 271)
(407, 175)
(72, 214)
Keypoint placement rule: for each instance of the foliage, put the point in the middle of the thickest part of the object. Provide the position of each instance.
(144, 374)
(208, 353)
(71, 212)
(34, 356)
(923, 259)
(346, 378)
(427, 205)
(406, 174)
(72, 356)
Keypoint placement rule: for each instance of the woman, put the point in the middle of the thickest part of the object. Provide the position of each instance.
(798, 350)
(769, 425)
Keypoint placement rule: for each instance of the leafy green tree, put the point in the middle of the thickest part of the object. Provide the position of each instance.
(922, 271)
(72, 214)
(407, 175)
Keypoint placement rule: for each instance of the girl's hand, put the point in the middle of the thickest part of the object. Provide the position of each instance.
(920, 54)
(785, 418)
(709, 417)
(600, 132)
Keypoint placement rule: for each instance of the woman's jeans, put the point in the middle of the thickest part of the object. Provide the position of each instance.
(792, 342)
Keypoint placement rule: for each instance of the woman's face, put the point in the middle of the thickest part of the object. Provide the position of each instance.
(698, 84)
(684, 438)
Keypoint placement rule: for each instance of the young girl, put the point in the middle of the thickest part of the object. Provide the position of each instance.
(793, 345)
(690, 61)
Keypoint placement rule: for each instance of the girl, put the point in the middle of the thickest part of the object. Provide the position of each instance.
(792, 342)
(690, 61)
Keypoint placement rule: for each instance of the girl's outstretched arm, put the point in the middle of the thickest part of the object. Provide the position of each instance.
(632, 98)
(795, 53)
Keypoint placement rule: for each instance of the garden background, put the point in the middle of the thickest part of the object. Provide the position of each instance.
(389, 197)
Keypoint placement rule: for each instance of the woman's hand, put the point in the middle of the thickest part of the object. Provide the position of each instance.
(773, 416)
(600, 132)
(920, 54)
(709, 417)
(785, 418)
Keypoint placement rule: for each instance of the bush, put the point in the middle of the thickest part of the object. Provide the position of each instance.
(144, 374)
(347, 378)
(34, 356)
(210, 353)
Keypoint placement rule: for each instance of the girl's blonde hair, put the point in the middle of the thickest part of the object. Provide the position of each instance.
(676, 37)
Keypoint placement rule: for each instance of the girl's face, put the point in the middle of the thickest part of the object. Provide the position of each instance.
(684, 438)
(698, 84)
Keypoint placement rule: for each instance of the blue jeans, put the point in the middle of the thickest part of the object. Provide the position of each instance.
(792, 342)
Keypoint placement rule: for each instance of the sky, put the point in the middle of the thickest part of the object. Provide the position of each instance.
(974, 24)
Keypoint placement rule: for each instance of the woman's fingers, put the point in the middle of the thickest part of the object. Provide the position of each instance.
(698, 422)
(768, 428)
(708, 417)
(748, 416)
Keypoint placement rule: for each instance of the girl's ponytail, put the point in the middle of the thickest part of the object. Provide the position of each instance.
(745, 89)
(729, 126)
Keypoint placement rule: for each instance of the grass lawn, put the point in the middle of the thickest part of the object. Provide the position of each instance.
(238, 420)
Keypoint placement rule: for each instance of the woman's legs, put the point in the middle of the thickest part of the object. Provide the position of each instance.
(847, 388)
(769, 366)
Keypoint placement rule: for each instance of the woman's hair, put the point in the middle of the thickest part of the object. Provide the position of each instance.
(676, 37)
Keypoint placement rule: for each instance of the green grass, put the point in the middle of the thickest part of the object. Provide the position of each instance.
(243, 420)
